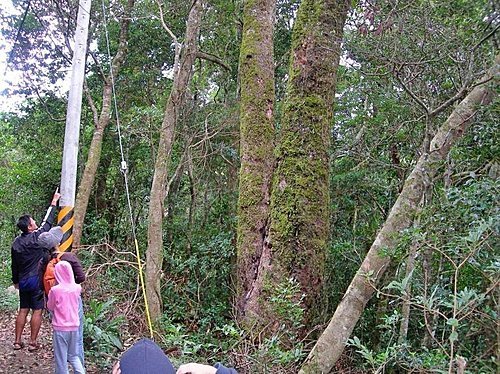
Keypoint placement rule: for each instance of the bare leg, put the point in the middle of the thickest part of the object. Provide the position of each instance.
(36, 322)
(20, 322)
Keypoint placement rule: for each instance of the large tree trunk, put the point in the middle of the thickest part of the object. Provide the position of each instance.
(257, 159)
(300, 195)
(332, 342)
(174, 105)
(94, 155)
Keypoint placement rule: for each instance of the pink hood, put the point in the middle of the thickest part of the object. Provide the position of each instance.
(64, 273)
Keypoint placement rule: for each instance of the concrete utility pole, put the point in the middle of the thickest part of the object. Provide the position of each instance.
(72, 133)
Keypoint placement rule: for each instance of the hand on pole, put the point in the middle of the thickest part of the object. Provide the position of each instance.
(56, 197)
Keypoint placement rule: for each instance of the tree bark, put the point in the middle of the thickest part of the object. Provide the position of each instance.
(256, 76)
(175, 102)
(331, 343)
(410, 267)
(101, 185)
(94, 154)
(405, 309)
(300, 196)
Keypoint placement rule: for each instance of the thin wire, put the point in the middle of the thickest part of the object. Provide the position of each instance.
(124, 171)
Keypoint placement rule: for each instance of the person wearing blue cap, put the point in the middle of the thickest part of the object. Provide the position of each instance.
(146, 357)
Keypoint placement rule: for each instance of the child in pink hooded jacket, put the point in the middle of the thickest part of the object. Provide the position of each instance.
(63, 302)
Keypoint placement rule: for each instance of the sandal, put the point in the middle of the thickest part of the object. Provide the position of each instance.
(18, 346)
(32, 347)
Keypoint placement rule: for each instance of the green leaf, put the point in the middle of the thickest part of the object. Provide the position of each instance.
(452, 322)
(453, 336)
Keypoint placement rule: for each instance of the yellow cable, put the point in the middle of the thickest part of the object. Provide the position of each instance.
(124, 171)
(141, 278)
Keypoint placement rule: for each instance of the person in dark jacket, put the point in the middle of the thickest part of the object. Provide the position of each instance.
(50, 241)
(194, 368)
(25, 255)
(146, 357)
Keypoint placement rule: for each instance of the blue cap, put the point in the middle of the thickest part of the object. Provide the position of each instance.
(145, 357)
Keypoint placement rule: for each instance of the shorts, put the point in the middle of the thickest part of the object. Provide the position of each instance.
(31, 299)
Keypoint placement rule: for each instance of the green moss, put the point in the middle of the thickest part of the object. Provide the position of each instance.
(299, 211)
(300, 196)
(257, 139)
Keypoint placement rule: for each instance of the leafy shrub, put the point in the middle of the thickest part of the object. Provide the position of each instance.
(457, 237)
(101, 333)
(8, 300)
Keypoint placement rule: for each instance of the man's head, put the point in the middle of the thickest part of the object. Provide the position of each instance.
(51, 239)
(26, 224)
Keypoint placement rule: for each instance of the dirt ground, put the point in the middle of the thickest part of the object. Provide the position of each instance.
(22, 361)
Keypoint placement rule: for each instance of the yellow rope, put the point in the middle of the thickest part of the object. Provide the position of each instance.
(124, 171)
(141, 278)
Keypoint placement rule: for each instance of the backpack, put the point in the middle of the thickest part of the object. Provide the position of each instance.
(49, 278)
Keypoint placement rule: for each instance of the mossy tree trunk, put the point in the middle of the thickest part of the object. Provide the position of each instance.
(300, 196)
(257, 159)
(331, 343)
(173, 107)
(101, 122)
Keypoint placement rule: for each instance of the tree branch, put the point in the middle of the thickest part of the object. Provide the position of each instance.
(410, 92)
(489, 35)
(91, 102)
(174, 38)
(212, 58)
(459, 95)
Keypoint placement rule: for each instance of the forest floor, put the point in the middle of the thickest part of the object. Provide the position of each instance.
(22, 361)
(42, 361)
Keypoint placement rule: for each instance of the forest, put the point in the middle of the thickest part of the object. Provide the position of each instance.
(311, 186)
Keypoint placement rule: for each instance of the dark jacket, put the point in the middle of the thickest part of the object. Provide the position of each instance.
(70, 257)
(25, 251)
(76, 265)
(221, 369)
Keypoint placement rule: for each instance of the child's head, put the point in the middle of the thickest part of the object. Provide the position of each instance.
(64, 273)
(51, 239)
